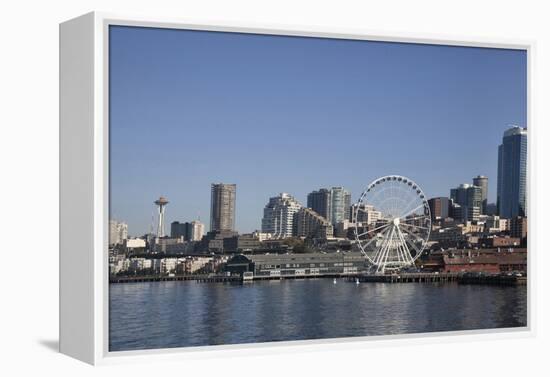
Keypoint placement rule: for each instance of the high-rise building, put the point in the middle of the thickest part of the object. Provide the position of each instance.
(341, 202)
(309, 223)
(278, 216)
(178, 230)
(491, 209)
(197, 231)
(483, 183)
(469, 199)
(118, 232)
(320, 201)
(222, 207)
(439, 208)
(333, 204)
(190, 231)
(512, 173)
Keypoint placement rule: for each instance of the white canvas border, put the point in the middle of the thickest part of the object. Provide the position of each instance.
(101, 181)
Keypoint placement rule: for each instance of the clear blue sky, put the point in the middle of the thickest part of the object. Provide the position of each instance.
(289, 114)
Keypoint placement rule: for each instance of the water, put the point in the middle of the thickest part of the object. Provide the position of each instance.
(180, 314)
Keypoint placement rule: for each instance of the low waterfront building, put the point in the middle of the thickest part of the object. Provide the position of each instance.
(138, 265)
(291, 265)
(168, 265)
(191, 265)
(118, 265)
(492, 264)
(494, 260)
(483, 263)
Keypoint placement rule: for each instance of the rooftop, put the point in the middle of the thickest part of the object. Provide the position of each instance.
(515, 130)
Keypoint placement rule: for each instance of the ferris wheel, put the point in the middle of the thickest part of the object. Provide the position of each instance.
(392, 223)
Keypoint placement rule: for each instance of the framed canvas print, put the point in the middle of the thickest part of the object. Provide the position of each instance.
(224, 186)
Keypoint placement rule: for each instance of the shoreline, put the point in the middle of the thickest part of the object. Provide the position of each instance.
(421, 277)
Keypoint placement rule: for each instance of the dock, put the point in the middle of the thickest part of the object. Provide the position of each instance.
(406, 278)
(493, 279)
(200, 278)
(419, 277)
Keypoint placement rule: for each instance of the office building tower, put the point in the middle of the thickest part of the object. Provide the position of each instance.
(222, 207)
(178, 230)
(439, 208)
(512, 173)
(491, 209)
(456, 211)
(320, 201)
(333, 204)
(118, 232)
(278, 216)
(469, 199)
(196, 231)
(483, 183)
(341, 202)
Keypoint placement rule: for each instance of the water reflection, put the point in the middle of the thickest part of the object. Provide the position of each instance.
(178, 314)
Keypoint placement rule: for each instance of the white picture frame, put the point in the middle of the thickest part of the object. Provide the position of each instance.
(84, 196)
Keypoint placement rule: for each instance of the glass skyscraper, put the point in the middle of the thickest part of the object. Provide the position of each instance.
(333, 204)
(512, 173)
(341, 202)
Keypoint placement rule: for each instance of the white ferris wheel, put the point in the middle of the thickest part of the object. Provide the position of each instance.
(392, 223)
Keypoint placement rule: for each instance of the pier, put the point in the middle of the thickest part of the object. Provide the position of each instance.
(493, 279)
(406, 278)
(201, 278)
(420, 277)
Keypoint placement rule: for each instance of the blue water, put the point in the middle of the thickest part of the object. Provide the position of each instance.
(187, 313)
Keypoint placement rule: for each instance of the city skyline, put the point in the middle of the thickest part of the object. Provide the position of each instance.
(179, 122)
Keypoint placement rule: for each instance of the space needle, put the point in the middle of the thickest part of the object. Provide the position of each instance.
(161, 203)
